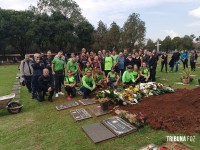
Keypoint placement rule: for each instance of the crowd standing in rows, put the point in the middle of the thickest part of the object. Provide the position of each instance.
(90, 71)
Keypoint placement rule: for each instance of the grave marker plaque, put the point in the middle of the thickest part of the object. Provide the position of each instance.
(87, 102)
(80, 114)
(66, 106)
(97, 132)
(118, 126)
(97, 111)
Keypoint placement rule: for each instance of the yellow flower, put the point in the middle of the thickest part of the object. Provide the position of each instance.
(136, 89)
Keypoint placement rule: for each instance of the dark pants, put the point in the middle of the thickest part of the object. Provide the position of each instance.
(129, 83)
(142, 79)
(86, 91)
(58, 81)
(153, 74)
(185, 63)
(162, 65)
(106, 72)
(193, 66)
(70, 90)
(34, 82)
(42, 92)
(28, 80)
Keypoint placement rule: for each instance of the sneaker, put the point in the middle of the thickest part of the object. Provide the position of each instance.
(57, 95)
(61, 93)
(69, 98)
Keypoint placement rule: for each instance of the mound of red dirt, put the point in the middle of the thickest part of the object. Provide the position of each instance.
(176, 112)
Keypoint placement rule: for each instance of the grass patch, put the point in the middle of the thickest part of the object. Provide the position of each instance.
(40, 126)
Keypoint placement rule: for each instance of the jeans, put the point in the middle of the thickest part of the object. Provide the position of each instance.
(28, 82)
(175, 63)
(58, 81)
(86, 91)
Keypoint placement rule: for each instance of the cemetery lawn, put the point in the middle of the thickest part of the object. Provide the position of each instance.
(40, 126)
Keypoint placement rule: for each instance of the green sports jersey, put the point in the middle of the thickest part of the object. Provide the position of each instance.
(86, 69)
(112, 76)
(115, 58)
(128, 76)
(99, 77)
(135, 74)
(108, 63)
(70, 80)
(88, 82)
(58, 64)
(145, 71)
(72, 66)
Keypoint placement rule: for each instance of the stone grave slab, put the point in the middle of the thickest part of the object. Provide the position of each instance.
(16, 91)
(80, 114)
(86, 102)
(17, 96)
(66, 106)
(80, 93)
(97, 132)
(97, 111)
(16, 83)
(118, 126)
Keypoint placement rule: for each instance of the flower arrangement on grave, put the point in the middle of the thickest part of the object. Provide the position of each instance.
(133, 95)
(136, 119)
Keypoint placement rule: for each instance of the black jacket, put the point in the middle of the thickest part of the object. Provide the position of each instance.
(37, 67)
(153, 62)
(45, 82)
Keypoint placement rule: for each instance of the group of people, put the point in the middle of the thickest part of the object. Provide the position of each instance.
(49, 73)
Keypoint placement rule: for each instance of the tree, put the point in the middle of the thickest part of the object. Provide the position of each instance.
(177, 43)
(167, 43)
(133, 31)
(150, 44)
(100, 35)
(113, 36)
(16, 26)
(84, 32)
(187, 42)
(68, 8)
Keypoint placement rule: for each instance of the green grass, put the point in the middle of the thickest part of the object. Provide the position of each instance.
(40, 126)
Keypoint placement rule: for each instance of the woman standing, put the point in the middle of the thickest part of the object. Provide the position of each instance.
(185, 59)
(164, 58)
(129, 61)
(137, 59)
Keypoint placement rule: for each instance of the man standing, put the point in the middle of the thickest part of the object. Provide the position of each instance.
(26, 71)
(120, 64)
(115, 59)
(45, 84)
(38, 66)
(48, 62)
(108, 63)
(58, 65)
(125, 53)
(176, 58)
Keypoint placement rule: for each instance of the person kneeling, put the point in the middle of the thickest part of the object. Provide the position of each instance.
(45, 84)
(113, 78)
(100, 78)
(70, 84)
(128, 77)
(88, 84)
(144, 73)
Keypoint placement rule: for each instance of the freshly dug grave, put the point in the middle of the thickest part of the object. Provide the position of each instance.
(176, 112)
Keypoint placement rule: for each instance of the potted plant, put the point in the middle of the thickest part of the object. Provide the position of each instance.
(186, 78)
(104, 103)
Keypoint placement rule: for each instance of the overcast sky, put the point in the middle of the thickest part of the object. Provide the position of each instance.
(162, 17)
